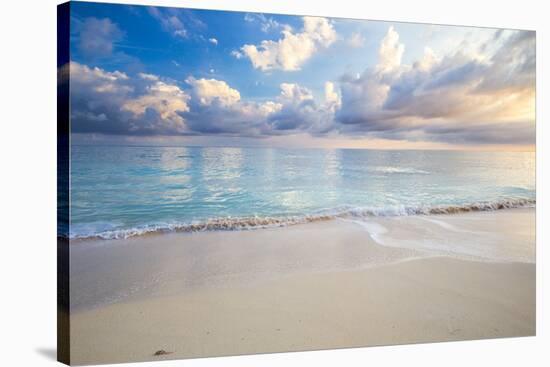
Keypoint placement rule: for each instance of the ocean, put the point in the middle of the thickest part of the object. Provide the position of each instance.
(123, 191)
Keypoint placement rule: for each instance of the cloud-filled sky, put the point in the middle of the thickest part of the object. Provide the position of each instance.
(153, 75)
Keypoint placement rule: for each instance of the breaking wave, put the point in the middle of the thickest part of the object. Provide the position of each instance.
(256, 222)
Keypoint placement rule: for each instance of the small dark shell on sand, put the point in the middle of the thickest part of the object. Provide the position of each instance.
(161, 352)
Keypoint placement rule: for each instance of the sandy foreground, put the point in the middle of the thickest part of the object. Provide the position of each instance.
(322, 285)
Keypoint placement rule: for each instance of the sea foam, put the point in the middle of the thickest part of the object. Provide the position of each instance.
(259, 222)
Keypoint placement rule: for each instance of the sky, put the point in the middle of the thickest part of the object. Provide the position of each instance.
(173, 76)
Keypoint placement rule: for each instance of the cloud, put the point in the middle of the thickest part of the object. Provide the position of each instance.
(294, 93)
(146, 105)
(363, 96)
(169, 21)
(177, 22)
(483, 93)
(114, 103)
(213, 41)
(216, 108)
(236, 54)
(513, 65)
(97, 37)
(460, 97)
(291, 51)
(356, 40)
(146, 76)
(467, 88)
(390, 52)
(158, 107)
(266, 24)
(332, 98)
(300, 112)
(297, 108)
(212, 91)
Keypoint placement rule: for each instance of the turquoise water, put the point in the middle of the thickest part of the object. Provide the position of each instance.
(122, 191)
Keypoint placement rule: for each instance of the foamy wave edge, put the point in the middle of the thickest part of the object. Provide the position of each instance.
(255, 222)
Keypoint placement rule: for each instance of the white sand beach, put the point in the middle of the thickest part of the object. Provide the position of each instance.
(330, 284)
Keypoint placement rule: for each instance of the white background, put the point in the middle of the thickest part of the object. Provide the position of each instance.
(28, 181)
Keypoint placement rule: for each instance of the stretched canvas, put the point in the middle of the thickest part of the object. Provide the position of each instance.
(234, 183)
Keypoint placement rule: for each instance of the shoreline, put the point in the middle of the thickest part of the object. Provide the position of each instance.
(230, 223)
(323, 285)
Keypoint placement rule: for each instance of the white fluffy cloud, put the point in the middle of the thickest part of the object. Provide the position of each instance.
(160, 105)
(390, 52)
(332, 98)
(291, 51)
(294, 93)
(212, 91)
